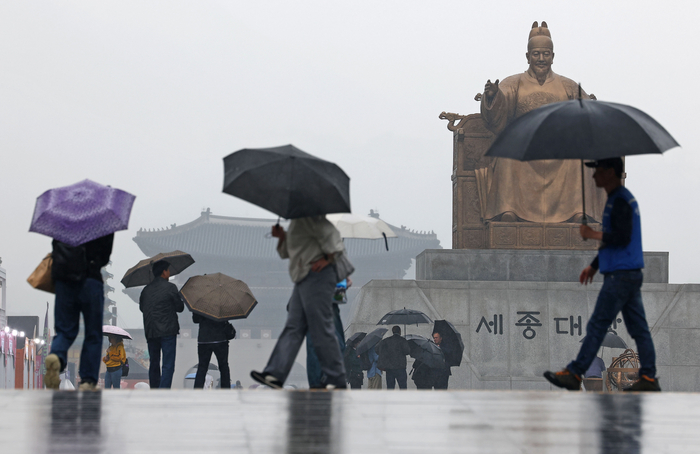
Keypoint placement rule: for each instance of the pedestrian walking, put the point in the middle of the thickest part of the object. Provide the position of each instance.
(76, 271)
(313, 247)
(620, 259)
(353, 366)
(160, 302)
(213, 337)
(441, 376)
(114, 361)
(392, 353)
(374, 374)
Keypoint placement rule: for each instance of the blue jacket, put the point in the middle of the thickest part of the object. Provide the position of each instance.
(622, 233)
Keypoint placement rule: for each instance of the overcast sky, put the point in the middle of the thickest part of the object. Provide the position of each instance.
(149, 96)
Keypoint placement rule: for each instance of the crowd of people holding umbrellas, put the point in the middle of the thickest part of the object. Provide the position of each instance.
(82, 219)
(375, 354)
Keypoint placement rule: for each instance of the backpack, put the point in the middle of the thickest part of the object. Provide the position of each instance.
(125, 368)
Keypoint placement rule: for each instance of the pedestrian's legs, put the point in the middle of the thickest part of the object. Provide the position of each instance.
(66, 319)
(154, 345)
(108, 380)
(637, 326)
(374, 382)
(204, 353)
(289, 342)
(339, 331)
(313, 366)
(113, 379)
(221, 352)
(390, 378)
(402, 378)
(92, 306)
(610, 300)
(316, 293)
(168, 344)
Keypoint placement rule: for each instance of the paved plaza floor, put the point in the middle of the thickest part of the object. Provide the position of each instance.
(425, 422)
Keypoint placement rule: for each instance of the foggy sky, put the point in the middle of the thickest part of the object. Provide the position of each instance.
(149, 96)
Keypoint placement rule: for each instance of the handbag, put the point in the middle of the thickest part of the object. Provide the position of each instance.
(230, 331)
(125, 368)
(41, 278)
(343, 267)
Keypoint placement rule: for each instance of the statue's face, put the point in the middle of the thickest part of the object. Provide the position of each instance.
(540, 60)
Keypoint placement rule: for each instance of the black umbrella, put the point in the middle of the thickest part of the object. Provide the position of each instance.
(581, 129)
(142, 272)
(357, 337)
(287, 181)
(371, 340)
(404, 317)
(612, 340)
(451, 336)
(425, 351)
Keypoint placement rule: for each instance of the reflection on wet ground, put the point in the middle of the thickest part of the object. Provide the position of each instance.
(347, 422)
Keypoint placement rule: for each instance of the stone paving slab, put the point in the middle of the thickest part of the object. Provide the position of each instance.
(403, 422)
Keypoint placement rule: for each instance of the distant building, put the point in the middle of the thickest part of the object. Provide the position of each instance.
(242, 248)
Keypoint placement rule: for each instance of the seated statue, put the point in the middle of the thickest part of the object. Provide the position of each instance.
(546, 191)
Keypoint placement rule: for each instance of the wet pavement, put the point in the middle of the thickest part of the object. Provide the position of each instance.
(424, 422)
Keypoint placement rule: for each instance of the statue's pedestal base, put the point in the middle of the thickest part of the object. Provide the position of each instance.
(521, 265)
(531, 235)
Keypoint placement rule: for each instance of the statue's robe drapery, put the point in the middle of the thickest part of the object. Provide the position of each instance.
(536, 191)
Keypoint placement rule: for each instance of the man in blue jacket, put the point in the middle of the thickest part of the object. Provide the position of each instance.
(620, 260)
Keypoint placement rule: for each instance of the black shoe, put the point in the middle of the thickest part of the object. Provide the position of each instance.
(645, 384)
(267, 379)
(564, 379)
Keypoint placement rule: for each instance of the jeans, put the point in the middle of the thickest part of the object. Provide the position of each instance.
(313, 365)
(113, 379)
(394, 376)
(310, 310)
(621, 292)
(204, 351)
(167, 344)
(72, 299)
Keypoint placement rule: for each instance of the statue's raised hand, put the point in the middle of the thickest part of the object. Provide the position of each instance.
(490, 89)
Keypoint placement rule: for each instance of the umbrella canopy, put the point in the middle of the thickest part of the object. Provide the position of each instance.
(142, 272)
(361, 227)
(611, 340)
(404, 317)
(450, 335)
(425, 351)
(81, 212)
(115, 331)
(357, 337)
(218, 297)
(581, 129)
(371, 340)
(287, 181)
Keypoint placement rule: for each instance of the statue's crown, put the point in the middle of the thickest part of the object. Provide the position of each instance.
(539, 30)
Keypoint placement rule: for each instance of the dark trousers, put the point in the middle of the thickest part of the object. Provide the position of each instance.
(313, 365)
(621, 292)
(72, 299)
(441, 378)
(394, 376)
(167, 345)
(204, 351)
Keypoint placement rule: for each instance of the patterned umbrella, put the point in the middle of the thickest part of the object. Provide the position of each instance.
(115, 331)
(142, 272)
(81, 212)
(218, 297)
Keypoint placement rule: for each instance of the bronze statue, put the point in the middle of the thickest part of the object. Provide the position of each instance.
(508, 204)
(535, 191)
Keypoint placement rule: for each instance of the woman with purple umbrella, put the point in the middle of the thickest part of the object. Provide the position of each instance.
(81, 219)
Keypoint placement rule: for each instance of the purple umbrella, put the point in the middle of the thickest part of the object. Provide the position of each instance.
(81, 212)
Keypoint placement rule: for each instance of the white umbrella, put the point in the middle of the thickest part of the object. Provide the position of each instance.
(115, 330)
(361, 227)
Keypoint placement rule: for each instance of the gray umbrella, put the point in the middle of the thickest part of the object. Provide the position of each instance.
(426, 351)
(142, 272)
(287, 181)
(371, 340)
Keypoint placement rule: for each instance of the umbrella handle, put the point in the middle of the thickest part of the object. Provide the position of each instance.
(386, 242)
